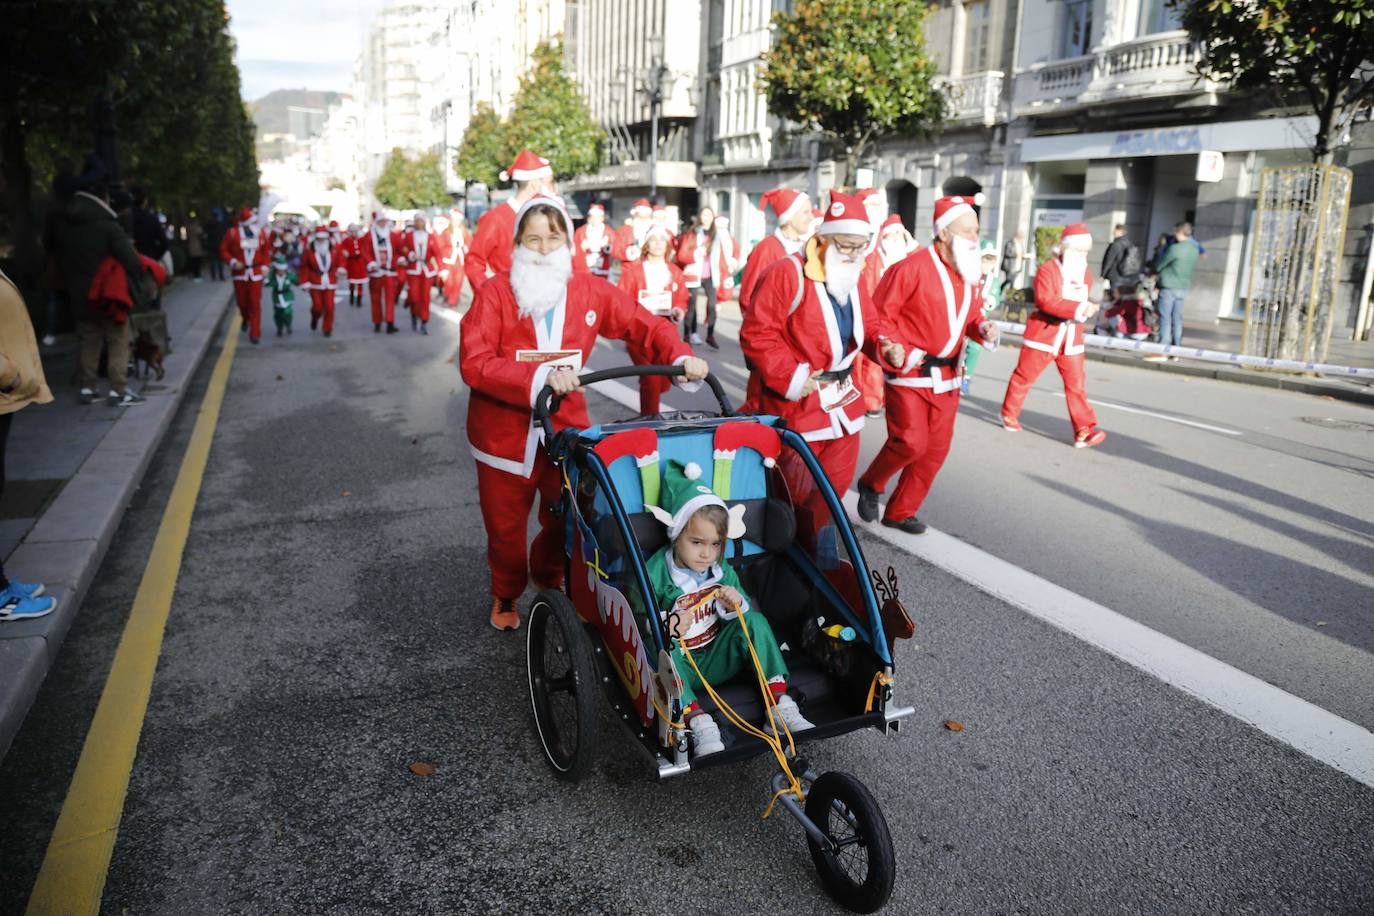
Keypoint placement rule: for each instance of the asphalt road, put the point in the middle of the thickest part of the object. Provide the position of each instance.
(329, 629)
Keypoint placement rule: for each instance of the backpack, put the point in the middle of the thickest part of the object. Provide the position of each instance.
(1131, 264)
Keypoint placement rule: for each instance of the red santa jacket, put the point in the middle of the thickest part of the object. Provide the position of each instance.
(791, 332)
(633, 280)
(489, 253)
(317, 271)
(110, 286)
(381, 258)
(1061, 305)
(421, 255)
(926, 306)
(499, 427)
(593, 254)
(350, 254)
(765, 254)
(249, 248)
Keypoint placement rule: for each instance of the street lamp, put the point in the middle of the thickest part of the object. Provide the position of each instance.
(655, 81)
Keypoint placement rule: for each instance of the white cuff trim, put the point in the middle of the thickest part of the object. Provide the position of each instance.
(541, 376)
(913, 359)
(799, 378)
(1081, 313)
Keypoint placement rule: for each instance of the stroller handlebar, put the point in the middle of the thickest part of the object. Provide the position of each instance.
(546, 404)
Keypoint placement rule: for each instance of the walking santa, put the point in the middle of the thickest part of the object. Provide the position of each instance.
(659, 287)
(421, 256)
(489, 253)
(592, 243)
(247, 249)
(457, 238)
(629, 237)
(929, 308)
(793, 211)
(533, 326)
(318, 266)
(892, 245)
(1054, 334)
(810, 319)
(380, 255)
(354, 263)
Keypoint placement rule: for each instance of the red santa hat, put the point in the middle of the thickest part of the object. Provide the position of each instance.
(659, 208)
(322, 231)
(245, 214)
(548, 200)
(845, 216)
(786, 202)
(892, 222)
(527, 167)
(948, 209)
(596, 208)
(333, 224)
(1076, 238)
(642, 204)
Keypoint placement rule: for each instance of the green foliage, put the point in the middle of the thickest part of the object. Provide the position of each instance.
(551, 117)
(1318, 50)
(851, 69)
(411, 182)
(484, 144)
(1046, 237)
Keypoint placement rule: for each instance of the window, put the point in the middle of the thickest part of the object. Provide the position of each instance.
(977, 29)
(1157, 16)
(1078, 28)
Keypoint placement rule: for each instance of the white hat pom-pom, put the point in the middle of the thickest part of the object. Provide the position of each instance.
(692, 471)
(770, 462)
(504, 176)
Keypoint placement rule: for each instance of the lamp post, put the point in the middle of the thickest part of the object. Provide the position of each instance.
(655, 81)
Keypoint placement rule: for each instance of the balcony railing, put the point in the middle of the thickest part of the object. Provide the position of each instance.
(974, 98)
(1152, 66)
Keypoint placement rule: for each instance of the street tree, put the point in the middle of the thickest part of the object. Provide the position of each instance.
(1320, 52)
(852, 70)
(483, 146)
(551, 116)
(411, 182)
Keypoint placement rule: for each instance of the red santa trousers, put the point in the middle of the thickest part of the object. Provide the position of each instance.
(381, 292)
(322, 307)
(506, 500)
(1071, 368)
(248, 297)
(838, 458)
(870, 382)
(920, 425)
(453, 283)
(417, 295)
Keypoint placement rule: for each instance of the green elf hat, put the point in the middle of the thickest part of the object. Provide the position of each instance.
(279, 262)
(987, 248)
(683, 494)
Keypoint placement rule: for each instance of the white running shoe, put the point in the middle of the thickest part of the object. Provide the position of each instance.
(705, 735)
(791, 716)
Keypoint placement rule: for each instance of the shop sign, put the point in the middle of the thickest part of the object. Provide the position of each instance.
(1211, 165)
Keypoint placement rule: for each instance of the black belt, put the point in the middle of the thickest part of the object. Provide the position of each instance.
(930, 362)
(1048, 318)
(835, 375)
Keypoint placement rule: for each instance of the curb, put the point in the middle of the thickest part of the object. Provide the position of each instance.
(67, 545)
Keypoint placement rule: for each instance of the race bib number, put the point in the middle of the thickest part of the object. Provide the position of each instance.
(835, 395)
(659, 303)
(570, 358)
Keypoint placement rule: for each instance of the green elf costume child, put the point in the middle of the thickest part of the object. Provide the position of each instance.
(990, 300)
(704, 605)
(282, 283)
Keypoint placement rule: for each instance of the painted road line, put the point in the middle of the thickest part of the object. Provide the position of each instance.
(72, 877)
(1292, 720)
(452, 316)
(1151, 413)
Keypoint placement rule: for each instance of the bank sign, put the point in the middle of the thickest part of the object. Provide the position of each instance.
(1223, 137)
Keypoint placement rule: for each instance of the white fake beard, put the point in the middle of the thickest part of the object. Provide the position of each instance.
(539, 281)
(968, 260)
(894, 249)
(841, 274)
(1075, 263)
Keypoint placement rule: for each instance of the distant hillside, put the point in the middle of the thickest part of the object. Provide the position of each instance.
(272, 113)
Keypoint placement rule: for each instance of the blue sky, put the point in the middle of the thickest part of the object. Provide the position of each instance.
(298, 44)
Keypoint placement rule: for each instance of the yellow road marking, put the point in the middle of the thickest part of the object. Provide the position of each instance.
(72, 878)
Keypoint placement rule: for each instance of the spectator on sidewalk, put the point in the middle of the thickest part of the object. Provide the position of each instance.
(90, 232)
(195, 246)
(214, 234)
(150, 238)
(1121, 264)
(1174, 271)
(21, 384)
(1015, 258)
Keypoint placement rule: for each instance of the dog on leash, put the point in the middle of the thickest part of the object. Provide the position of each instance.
(149, 354)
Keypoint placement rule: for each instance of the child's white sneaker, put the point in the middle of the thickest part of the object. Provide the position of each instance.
(705, 735)
(787, 710)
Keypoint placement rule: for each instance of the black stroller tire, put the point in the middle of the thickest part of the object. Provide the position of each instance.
(563, 685)
(859, 875)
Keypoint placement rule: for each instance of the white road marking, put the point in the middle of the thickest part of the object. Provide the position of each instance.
(448, 314)
(1292, 720)
(1151, 413)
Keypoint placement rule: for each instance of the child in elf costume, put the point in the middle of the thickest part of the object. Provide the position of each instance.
(705, 607)
(282, 283)
(990, 300)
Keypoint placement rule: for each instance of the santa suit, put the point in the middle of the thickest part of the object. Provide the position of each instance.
(592, 244)
(785, 345)
(455, 253)
(380, 252)
(248, 251)
(421, 251)
(491, 245)
(929, 309)
(766, 253)
(355, 264)
(630, 236)
(654, 277)
(317, 275)
(511, 465)
(1054, 334)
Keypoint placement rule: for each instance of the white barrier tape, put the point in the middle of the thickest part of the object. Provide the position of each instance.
(1215, 356)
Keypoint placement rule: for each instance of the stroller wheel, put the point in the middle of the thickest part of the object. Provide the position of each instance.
(857, 866)
(563, 685)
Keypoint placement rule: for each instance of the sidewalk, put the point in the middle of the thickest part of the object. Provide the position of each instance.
(71, 471)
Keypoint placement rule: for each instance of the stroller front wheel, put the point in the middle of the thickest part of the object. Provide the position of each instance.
(857, 865)
(563, 685)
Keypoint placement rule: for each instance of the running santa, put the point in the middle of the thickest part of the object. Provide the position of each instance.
(490, 251)
(247, 249)
(319, 264)
(380, 255)
(422, 254)
(795, 218)
(929, 307)
(658, 286)
(592, 243)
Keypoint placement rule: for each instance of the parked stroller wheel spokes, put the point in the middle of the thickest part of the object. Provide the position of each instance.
(857, 865)
(562, 676)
